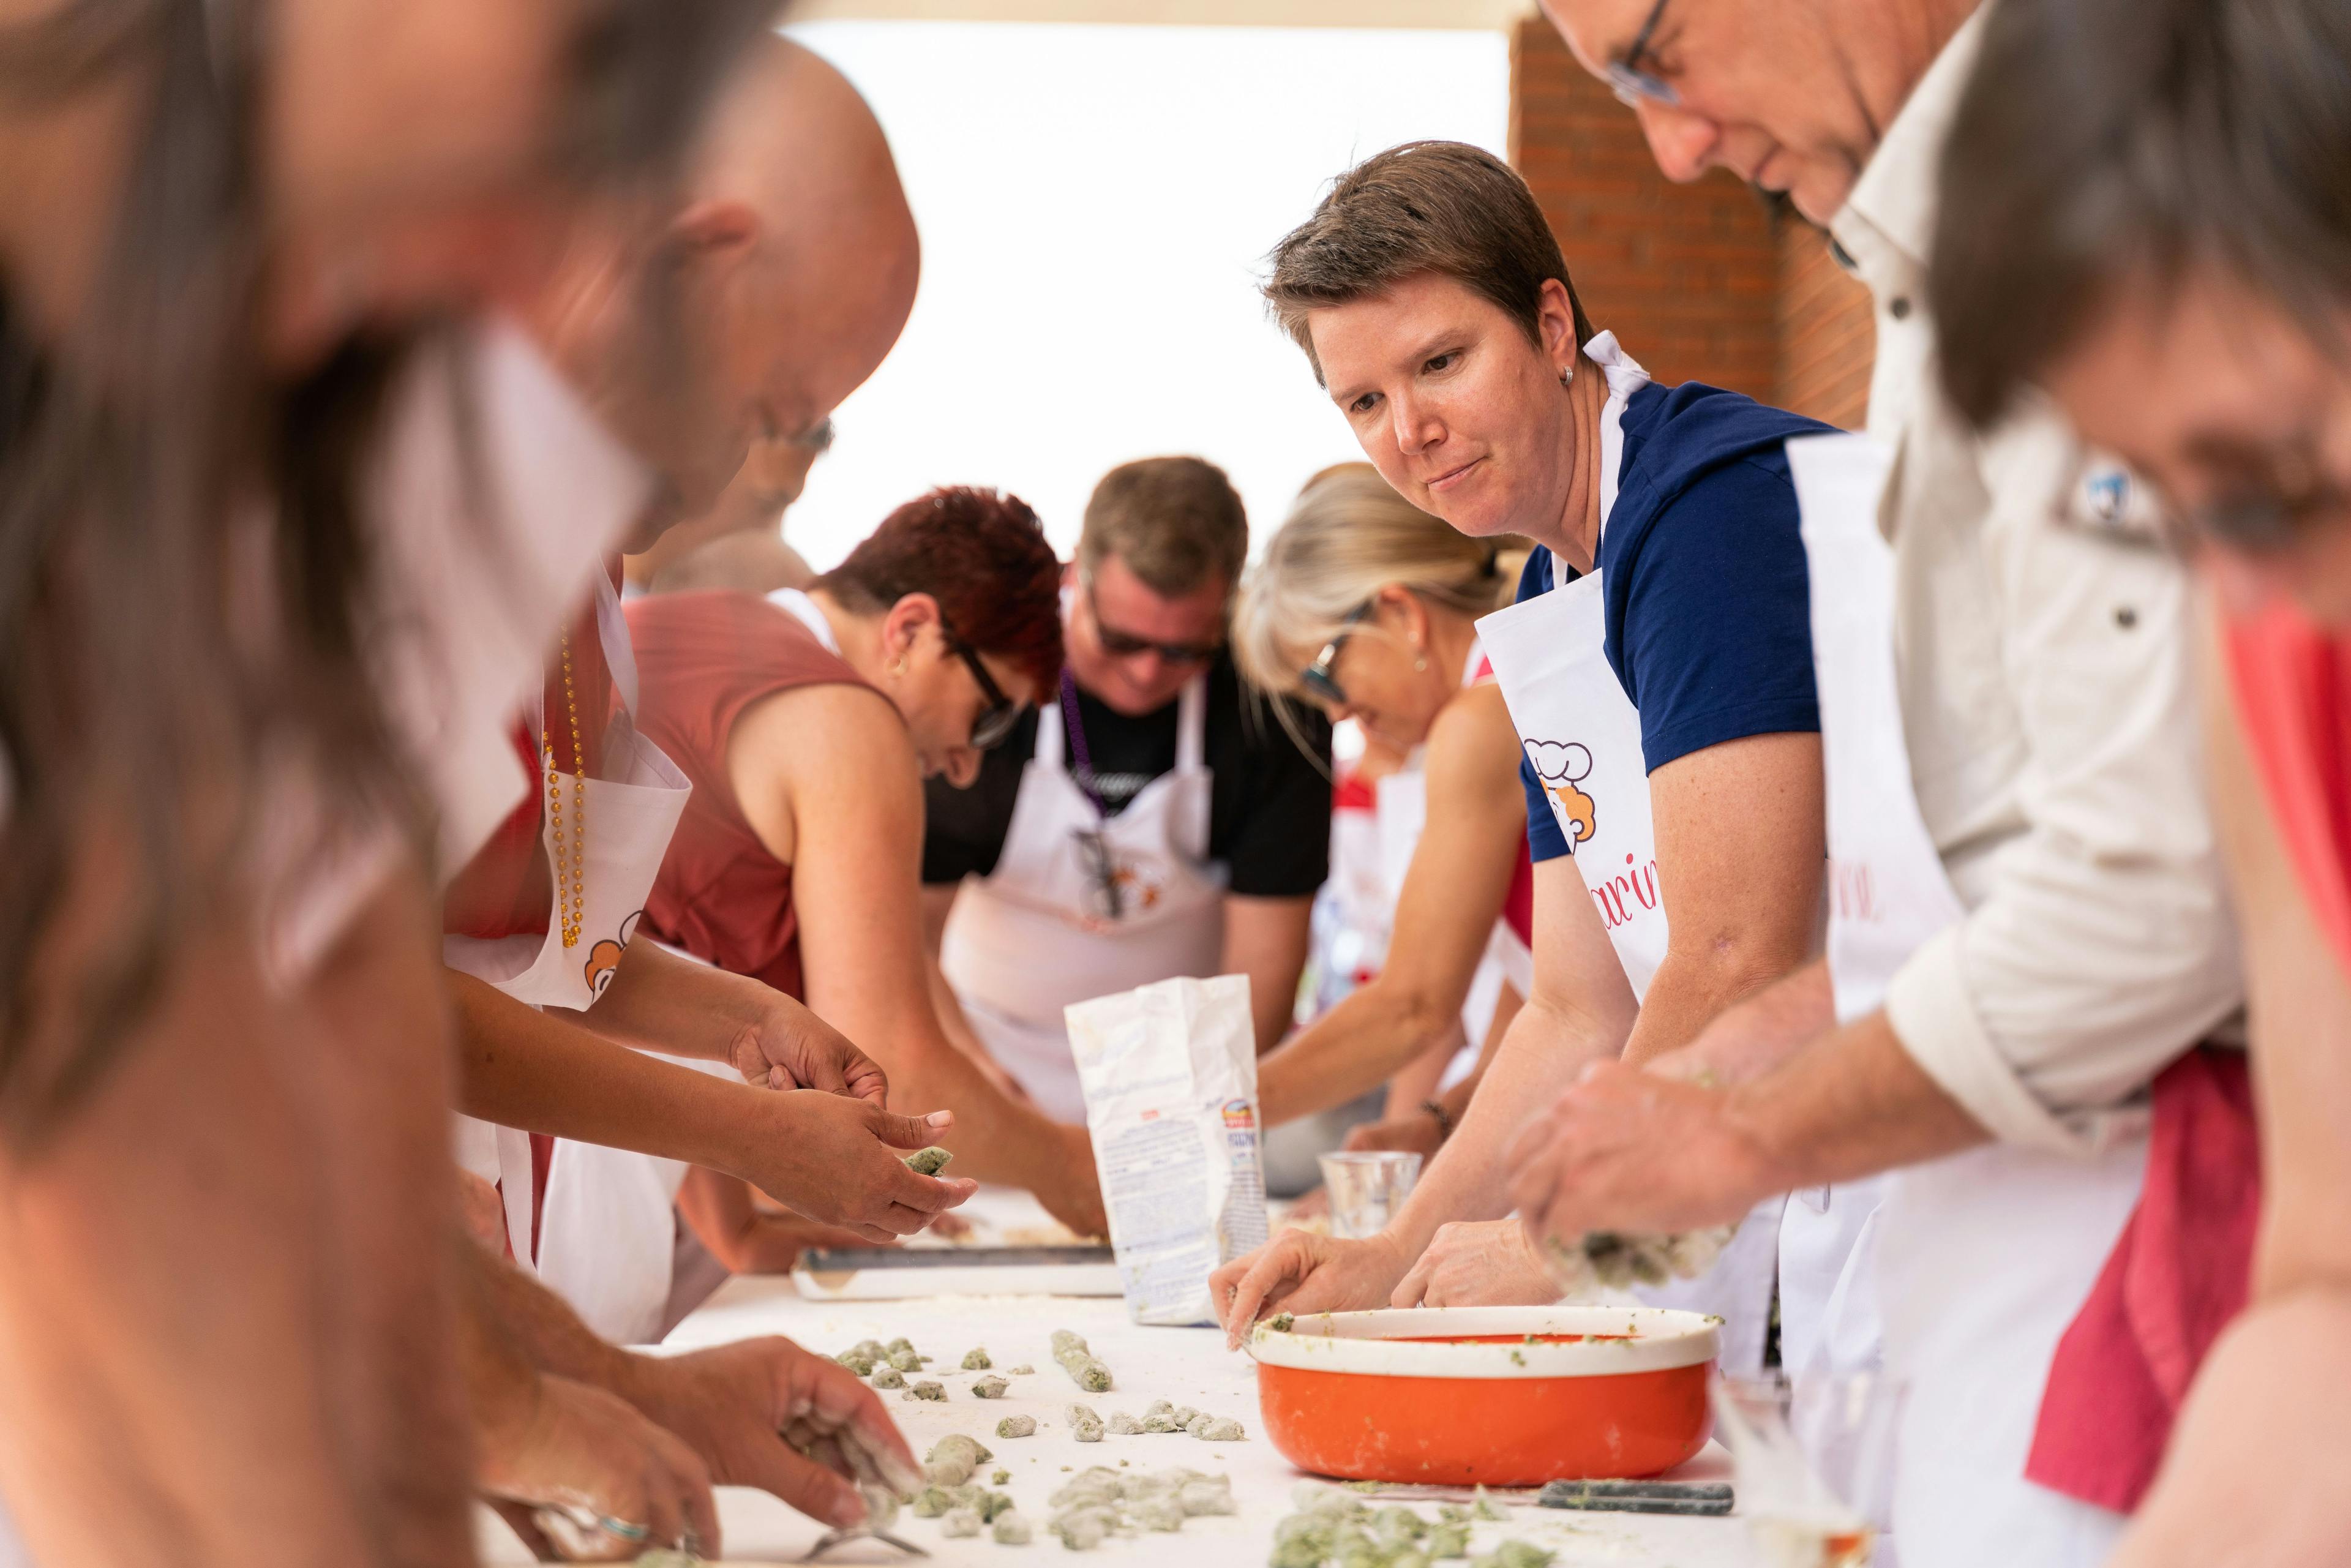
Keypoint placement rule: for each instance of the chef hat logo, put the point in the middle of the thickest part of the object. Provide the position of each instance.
(1562, 766)
(604, 958)
(1559, 761)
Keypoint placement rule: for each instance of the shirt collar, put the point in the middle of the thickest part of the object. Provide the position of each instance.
(1894, 199)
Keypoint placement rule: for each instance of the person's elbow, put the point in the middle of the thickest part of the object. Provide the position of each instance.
(1725, 963)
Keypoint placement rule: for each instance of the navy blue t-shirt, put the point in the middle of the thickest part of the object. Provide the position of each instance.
(1709, 625)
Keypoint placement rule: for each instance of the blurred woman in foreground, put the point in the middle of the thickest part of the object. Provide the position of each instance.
(2156, 231)
(224, 1303)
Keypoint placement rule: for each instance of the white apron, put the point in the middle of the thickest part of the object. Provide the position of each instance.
(1036, 937)
(1583, 738)
(1979, 1262)
(606, 1234)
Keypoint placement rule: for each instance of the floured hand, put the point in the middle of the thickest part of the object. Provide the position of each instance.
(1484, 1263)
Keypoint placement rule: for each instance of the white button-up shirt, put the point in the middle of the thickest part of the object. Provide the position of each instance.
(2045, 644)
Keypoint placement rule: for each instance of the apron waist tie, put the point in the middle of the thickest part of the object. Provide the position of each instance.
(2178, 1273)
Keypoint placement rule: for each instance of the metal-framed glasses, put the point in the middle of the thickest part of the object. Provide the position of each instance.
(1317, 677)
(1634, 82)
(996, 720)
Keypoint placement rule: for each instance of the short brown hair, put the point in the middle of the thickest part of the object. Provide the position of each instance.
(1176, 522)
(983, 556)
(2100, 137)
(1442, 207)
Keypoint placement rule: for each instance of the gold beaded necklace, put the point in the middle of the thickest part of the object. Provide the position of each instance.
(571, 878)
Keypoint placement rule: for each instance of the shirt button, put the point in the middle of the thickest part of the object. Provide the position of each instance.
(2125, 617)
(1898, 307)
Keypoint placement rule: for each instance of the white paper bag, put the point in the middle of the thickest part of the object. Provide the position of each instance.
(1169, 1071)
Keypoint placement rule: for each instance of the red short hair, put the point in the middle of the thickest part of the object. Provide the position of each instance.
(982, 555)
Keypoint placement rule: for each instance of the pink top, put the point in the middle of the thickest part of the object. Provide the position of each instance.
(2292, 685)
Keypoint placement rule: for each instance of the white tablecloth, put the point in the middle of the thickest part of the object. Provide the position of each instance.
(1188, 1366)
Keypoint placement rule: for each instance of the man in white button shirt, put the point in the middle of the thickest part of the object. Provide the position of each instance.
(2046, 694)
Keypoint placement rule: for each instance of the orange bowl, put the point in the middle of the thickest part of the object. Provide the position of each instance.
(1488, 1396)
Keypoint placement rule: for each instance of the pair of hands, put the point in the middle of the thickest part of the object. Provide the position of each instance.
(1623, 1149)
(1482, 1263)
(825, 1143)
(603, 1474)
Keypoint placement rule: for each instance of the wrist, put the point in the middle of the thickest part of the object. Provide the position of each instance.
(1435, 1110)
(1769, 1161)
(504, 1420)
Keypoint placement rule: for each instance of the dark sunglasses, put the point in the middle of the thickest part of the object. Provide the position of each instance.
(1317, 677)
(996, 721)
(1126, 645)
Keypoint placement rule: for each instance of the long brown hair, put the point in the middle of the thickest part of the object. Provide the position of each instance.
(182, 560)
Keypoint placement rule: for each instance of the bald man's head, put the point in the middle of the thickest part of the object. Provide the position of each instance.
(796, 171)
(769, 295)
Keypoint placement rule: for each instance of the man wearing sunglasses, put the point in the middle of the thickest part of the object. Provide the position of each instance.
(2062, 938)
(1151, 819)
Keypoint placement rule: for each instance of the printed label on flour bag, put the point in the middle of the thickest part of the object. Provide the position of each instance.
(1169, 1071)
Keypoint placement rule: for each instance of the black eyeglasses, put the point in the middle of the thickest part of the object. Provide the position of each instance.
(1626, 75)
(995, 721)
(1317, 677)
(1126, 645)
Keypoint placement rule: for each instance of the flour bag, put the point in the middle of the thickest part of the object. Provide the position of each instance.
(1169, 1071)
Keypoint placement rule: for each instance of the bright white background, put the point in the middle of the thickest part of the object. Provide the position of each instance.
(1095, 205)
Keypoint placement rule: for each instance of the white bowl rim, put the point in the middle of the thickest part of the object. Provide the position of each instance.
(1643, 1339)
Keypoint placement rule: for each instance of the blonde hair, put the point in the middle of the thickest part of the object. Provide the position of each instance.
(1348, 535)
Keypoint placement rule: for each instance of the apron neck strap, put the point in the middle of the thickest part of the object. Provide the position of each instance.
(1192, 724)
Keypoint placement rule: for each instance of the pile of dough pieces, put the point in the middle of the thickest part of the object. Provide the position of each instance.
(1332, 1527)
(1098, 1503)
(1163, 1416)
(1092, 1507)
(887, 1365)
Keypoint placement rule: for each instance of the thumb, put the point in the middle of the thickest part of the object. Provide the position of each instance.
(910, 1131)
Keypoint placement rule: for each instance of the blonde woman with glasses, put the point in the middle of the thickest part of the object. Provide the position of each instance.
(1367, 607)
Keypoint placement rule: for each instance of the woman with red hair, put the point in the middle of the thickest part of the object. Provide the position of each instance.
(807, 723)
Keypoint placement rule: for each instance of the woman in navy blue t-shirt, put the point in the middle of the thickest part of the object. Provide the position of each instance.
(1430, 298)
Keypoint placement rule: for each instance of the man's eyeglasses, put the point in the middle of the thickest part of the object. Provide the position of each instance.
(995, 721)
(1317, 677)
(1632, 82)
(1126, 645)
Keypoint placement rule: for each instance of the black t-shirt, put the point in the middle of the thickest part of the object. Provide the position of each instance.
(1268, 801)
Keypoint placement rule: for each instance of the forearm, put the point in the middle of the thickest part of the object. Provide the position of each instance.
(1349, 1051)
(545, 1073)
(1758, 1033)
(1266, 939)
(521, 1329)
(659, 1001)
(1416, 1082)
(1692, 990)
(1849, 1105)
(1539, 1057)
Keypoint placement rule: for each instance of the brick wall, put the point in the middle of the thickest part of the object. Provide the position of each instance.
(1827, 333)
(1697, 280)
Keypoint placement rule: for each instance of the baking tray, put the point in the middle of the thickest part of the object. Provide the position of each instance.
(898, 1274)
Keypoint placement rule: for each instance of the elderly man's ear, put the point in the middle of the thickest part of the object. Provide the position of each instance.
(721, 232)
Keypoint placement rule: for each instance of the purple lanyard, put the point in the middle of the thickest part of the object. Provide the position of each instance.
(1082, 775)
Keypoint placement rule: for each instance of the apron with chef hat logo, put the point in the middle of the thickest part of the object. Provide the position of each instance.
(605, 1235)
(1583, 736)
(1962, 1274)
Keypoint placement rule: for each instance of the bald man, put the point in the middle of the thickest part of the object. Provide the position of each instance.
(769, 291)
